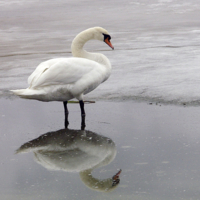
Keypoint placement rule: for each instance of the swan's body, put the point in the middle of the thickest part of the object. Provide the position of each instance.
(75, 151)
(62, 79)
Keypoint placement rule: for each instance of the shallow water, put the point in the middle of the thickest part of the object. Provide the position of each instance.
(157, 148)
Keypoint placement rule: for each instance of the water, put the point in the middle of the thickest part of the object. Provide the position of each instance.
(157, 148)
(156, 56)
(156, 59)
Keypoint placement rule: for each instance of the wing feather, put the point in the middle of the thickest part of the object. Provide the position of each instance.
(61, 71)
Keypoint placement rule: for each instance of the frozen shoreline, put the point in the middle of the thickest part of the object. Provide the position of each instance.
(156, 56)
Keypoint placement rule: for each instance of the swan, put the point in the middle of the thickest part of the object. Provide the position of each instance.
(62, 79)
(75, 151)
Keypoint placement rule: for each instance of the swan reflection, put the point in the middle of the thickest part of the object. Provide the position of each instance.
(75, 151)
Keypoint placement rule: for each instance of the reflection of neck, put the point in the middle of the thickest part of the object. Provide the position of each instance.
(94, 183)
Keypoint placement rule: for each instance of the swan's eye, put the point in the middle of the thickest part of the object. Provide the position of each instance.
(106, 37)
(115, 182)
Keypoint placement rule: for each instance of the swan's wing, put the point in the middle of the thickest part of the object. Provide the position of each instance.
(61, 71)
(41, 68)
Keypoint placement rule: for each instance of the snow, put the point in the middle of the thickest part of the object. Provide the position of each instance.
(156, 56)
(161, 68)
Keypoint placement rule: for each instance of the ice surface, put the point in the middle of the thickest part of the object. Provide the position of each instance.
(156, 56)
(162, 67)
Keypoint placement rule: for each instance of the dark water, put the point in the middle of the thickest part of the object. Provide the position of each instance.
(157, 148)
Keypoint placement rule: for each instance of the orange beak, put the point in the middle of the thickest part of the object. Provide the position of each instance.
(116, 176)
(107, 41)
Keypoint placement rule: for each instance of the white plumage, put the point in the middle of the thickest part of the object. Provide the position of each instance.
(62, 79)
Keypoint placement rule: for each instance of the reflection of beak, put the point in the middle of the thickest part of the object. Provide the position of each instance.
(107, 41)
(115, 178)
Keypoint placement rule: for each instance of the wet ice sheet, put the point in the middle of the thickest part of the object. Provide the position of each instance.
(157, 150)
(156, 56)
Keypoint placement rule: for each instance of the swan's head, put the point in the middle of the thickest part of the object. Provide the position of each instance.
(115, 178)
(101, 185)
(102, 35)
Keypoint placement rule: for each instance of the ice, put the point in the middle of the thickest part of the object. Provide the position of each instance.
(159, 68)
(156, 56)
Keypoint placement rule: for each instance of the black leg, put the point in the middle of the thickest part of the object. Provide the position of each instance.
(82, 114)
(66, 114)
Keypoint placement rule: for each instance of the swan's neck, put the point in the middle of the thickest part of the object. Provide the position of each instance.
(94, 183)
(78, 51)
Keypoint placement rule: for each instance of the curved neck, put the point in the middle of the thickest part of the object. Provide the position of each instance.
(78, 51)
(94, 183)
(78, 43)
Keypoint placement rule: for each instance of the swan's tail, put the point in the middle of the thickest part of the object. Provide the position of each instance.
(27, 93)
(19, 92)
(28, 147)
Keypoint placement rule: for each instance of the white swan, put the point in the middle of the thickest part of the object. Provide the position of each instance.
(62, 79)
(75, 151)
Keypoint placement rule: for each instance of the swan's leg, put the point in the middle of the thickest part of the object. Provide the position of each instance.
(82, 114)
(66, 114)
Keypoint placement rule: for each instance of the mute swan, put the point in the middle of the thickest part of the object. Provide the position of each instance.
(62, 79)
(75, 151)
